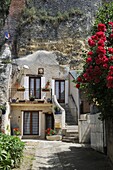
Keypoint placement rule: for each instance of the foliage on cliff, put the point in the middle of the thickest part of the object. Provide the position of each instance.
(4, 10)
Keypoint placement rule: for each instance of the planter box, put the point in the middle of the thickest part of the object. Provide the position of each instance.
(20, 89)
(54, 137)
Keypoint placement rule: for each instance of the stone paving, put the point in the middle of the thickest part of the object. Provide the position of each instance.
(53, 155)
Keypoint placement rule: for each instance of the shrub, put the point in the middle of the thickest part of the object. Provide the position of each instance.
(11, 151)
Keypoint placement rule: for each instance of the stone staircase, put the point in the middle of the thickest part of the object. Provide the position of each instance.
(70, 133)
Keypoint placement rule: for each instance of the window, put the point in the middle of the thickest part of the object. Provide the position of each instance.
(60, 90)
(35, 87)
(31, 123)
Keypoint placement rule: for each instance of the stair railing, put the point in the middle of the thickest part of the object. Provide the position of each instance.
(55, 103)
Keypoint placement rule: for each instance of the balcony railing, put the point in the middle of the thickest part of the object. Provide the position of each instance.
(22, 94)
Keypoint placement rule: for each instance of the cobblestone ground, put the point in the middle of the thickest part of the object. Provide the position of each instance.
(68, 156)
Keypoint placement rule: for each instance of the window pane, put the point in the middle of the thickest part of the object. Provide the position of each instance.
(57, 89)
(32, 87)
(62, 91)
(27, 123)
(35, 123)
(38, 88)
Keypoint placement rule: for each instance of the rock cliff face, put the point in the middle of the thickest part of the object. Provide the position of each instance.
(52, 25)
(5, 70)
(56, 25)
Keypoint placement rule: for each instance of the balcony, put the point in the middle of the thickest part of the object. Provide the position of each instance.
(21, 97)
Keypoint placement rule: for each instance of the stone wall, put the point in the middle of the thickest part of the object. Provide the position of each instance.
(109, 137)
(98, 140)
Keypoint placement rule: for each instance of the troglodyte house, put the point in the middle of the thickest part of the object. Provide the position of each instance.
(38, 84)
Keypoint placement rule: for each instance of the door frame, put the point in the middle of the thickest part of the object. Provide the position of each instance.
(59, 100)
(31, 122)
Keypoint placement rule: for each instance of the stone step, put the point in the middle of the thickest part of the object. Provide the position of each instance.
(73, 127)
(72, 135)
(70, 139)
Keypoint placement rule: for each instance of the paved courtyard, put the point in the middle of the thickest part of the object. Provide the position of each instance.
(53, 155)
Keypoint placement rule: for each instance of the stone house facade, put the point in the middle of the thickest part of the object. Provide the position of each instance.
(37, 76)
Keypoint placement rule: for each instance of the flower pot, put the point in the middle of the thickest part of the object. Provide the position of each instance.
(32, 99)
(54, 137)
(20, 89)
(57, 112)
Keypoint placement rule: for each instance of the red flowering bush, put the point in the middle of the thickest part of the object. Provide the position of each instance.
(97, 75)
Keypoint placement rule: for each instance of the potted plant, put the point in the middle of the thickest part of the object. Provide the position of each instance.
(47, 86)
(32, 98)
(52, 135)
(3, 108)
(21, 88)
(57, 110)
(17, 132)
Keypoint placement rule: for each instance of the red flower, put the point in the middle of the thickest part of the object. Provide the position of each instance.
(101, 27)
(98, 61)
(97, 80)
(89, 60)
(90, 53)
(105, 59)
(101, 43)
(94, 37)
(110, 81)
(91, 43)
(77, 86)
(110, 23)
(110, 50)
(105, 66)
(111, 58)
(111, 36)
(100, 34)
(79, 79)
(101, 50)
